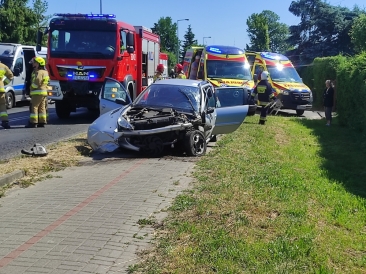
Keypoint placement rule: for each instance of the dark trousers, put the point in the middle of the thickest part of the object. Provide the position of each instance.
(264, 112)
(328, 113)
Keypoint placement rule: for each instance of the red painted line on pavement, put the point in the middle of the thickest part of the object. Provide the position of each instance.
(18, 251)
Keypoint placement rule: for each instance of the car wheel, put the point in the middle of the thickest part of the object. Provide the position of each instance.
(195, 143)
(300, 112)
(152, 146)
(9, 100)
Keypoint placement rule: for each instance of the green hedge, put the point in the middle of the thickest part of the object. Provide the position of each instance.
(349, 76)
(322, 69)
(351, 92)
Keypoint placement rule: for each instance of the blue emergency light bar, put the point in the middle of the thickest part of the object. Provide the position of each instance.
(80, 15)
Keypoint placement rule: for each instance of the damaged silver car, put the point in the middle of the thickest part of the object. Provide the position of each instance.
(179, 113)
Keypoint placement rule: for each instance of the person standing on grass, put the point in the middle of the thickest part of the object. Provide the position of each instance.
(328, 101)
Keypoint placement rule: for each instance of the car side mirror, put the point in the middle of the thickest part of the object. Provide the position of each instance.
(16, 72)
(255, 77)
(210, 110)
(121, 101)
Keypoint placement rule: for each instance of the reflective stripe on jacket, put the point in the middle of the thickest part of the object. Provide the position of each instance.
(5, 76)
(39, 83)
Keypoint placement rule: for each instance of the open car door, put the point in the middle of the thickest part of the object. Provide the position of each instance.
(113, 95)
(232, 108)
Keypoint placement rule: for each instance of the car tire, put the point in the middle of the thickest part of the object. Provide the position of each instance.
(300, 112)
(195, 143)
(9, 100)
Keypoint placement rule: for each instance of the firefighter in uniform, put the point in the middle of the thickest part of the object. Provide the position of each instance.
(38, 93)
(265, 95)
(159, 73)
(179, 71)
(5, 77)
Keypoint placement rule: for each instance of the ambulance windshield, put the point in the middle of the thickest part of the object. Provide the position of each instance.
(83, 44)
(228, 70)
(283, 74)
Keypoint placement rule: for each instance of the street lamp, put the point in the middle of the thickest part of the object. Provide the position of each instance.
(178, 38)
(101, 7)
(203, 40)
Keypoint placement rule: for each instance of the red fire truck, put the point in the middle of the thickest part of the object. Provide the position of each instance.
(83, 49)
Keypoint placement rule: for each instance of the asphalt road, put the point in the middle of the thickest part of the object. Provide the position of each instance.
(17, 138)
(12, 141)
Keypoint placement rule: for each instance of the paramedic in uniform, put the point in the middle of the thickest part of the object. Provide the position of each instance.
(38, 93)
(194, 68)
(159, 73)
(179, 71)
(265, 95)
(5, 78)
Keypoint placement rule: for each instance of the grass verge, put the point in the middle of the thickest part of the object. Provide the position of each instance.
(60, 155)
(287, 197)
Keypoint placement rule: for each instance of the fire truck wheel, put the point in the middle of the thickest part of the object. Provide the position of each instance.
(62, 110)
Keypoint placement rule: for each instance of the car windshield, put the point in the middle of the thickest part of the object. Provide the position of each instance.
(283, 74)
(228, 70)
(83, 44)
(181, 98)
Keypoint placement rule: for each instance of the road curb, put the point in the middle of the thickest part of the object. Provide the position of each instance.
(11, 177)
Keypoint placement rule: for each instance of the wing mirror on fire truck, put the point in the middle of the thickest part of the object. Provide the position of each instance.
(130, 40)
(39, 40)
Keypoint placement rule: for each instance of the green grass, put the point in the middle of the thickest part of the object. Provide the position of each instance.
(287, 197)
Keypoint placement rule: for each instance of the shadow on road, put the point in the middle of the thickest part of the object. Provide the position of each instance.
(343, 151)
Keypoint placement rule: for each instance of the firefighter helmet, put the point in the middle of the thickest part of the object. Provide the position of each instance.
(160, 68)
(179, 67)
(39, 60)
(264, 75)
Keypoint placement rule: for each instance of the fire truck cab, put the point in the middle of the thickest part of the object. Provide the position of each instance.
(84, 49)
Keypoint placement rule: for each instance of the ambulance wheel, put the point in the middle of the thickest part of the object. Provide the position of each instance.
(300, 112)
(10, 100)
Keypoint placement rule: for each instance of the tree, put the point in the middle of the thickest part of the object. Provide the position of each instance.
(278, 32)
(167, 30)
(258, 32)
(188, 42)
(358, 33)
(323, 30)
(16, 21)
(40, 8)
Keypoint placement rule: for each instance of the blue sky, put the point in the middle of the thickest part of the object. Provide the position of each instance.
(223, 21)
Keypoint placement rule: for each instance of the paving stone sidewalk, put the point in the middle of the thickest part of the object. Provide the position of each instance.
(85, 219)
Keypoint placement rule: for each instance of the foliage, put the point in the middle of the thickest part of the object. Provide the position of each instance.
(278, 32)
(16, 19)
(258, 32)
(252, 212)
(172, 60)
(188, 42)
(167, 30)
(351, 92)
(358, 33)
(323, 30)
(322, 69)
(21, 22)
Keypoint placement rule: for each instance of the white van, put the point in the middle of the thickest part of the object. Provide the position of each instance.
(17, 57)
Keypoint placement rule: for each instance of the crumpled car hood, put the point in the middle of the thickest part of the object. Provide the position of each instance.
(103, 134)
